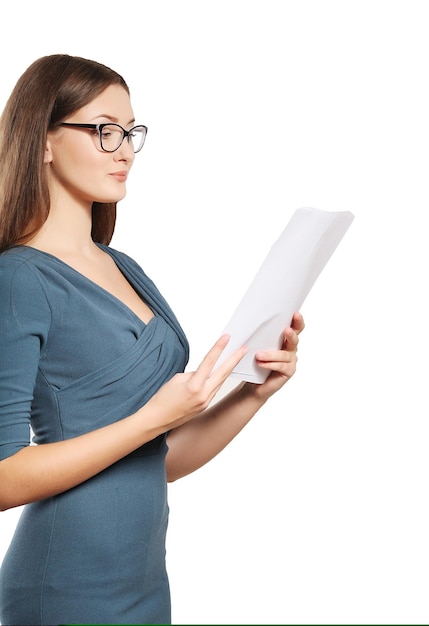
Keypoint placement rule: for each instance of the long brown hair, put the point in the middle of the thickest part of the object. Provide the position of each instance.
(52, 88)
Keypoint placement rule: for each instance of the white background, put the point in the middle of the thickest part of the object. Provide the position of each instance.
(318, 512)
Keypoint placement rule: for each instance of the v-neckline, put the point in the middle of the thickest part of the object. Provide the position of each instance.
(108, 293)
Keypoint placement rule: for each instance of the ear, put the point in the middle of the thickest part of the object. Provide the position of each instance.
(47, 158)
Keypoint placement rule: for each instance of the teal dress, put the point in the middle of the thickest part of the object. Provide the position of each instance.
(73, 358)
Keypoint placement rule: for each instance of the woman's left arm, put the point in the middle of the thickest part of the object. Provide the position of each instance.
(195, 443)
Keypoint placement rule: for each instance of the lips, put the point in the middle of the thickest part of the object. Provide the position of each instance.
(121, 176)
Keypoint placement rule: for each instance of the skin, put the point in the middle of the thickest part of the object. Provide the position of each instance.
(78, 174)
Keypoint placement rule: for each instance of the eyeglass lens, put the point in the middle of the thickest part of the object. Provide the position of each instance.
(111, 137)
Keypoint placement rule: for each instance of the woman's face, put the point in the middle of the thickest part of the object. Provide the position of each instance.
(78, 168)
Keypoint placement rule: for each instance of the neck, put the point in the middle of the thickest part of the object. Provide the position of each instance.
(66, 230)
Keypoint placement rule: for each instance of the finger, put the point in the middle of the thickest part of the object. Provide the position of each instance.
(286, 370)
(206, 366)
(297, 322)
(291, 339)
(281, 361)
(274, 356)
(221, 373)
(212, 356)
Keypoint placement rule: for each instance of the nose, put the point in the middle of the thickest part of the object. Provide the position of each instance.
(125, 151)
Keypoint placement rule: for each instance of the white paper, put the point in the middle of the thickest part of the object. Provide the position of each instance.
(281, 285)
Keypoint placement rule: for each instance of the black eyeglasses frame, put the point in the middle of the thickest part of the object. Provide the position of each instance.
(99, 129)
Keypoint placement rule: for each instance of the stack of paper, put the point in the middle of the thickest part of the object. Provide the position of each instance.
(281, 285)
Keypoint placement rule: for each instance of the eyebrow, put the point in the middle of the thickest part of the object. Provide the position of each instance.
(114, 119)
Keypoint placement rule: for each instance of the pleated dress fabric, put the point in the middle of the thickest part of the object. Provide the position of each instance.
(73, 358)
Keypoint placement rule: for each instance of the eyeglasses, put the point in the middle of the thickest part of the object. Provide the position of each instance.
(111, 136)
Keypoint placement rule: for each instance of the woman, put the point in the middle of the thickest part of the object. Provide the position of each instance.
(92, 356)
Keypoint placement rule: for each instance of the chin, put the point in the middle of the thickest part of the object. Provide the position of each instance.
(113, 198)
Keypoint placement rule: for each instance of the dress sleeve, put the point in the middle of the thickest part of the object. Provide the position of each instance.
(24, 325)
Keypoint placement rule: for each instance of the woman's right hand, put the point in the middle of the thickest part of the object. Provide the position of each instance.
(186, 395)
(37, 472)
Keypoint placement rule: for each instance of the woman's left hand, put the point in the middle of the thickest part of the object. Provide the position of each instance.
(282, 362)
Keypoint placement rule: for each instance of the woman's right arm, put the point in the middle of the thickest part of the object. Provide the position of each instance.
(33, 472)
(37, 472)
